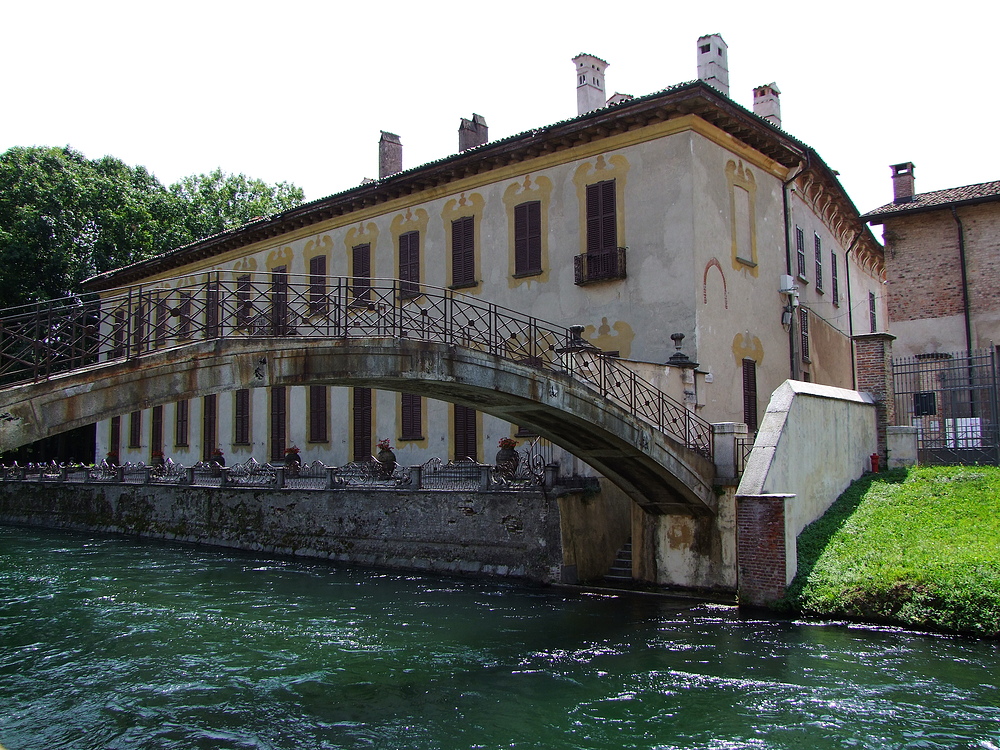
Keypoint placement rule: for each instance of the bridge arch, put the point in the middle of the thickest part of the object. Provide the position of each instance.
(660, 473)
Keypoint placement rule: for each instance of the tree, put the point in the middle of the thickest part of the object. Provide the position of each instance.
(64, 218)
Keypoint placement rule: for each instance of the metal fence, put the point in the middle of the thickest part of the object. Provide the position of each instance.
(41, 340)
(952, 400)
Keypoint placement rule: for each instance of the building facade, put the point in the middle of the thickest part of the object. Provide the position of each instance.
(678, 222)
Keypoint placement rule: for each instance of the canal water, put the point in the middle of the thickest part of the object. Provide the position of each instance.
(108, 642)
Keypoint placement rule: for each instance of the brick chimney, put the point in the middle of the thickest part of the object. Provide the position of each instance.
(713, 62)
(766, 103)
(902, 182)
(390, 155)
(472, 133)
(589, 83)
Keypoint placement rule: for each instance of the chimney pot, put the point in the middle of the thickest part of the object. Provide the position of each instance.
(472, 133)
(766, 103)
(713, 62)
(902, 182)
(390, 155)
(589, 83)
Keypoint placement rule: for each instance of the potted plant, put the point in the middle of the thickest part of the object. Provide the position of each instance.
(507, 457)
(157, 460)
(218, 457)
(386, 457)
(293, 462)
(111, 459)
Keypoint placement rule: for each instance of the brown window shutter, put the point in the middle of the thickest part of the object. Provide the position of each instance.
(362, 408)
(409, 262)
(750, 394)
(279, 301)
(318, 414)
(278, 431)
(156, 429)
(466, 437)
(209, 424)
(135, 429)
(317, 284)
(182, 410)
(463, 267)
(115, 438)
(602, 227)
(361, 265)
(411, 409)
(242, 417)
(528, 237)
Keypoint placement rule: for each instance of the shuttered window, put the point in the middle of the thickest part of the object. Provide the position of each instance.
(800, 250)
(241, 417)
(409, 264)
(181, 411)
(362, 409)
(834, 279)
(115, 437)
(602, 227)
(818, 247)
(156, 430)
(244, 307)
(463, 255)
(317, 285)
(209, 426)
(361, 266)
(161, 316)
(750, 394)
(804, 332)
(466, 442)
(318, 414)
(135, 429)
(872, 317)
(279, 301)
(527, 238)
(278, 431)
(212, 309)
(184, 311)
(411, 408)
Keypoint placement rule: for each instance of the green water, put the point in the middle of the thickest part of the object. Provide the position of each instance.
(113, 643)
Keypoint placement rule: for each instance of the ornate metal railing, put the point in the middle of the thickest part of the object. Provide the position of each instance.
(41, 340)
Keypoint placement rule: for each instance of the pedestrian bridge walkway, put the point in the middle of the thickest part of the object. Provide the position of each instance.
(72, 362)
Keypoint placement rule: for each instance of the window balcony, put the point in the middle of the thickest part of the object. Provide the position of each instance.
(599, 266)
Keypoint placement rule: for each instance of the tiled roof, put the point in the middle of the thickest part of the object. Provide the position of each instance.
(937, 199)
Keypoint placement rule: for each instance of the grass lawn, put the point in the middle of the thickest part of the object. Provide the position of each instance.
(919, 547)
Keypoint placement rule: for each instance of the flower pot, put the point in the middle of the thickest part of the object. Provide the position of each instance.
(387, 459)
(508, 459)
(292, 463)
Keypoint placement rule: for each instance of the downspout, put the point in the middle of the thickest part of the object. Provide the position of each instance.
(850, 309)
(793, 359)
(965, 281)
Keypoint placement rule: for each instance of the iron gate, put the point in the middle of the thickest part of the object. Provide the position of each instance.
(952, 400)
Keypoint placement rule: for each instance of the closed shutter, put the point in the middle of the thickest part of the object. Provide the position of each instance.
(362, 410)
(212, 309)
(209, 422)
(318, 414)
(466, 441)
(804, 331)
(528, 237)
(243, 304)
(317, 284)
(602, 227)
(278, 431)
(361, 265)
(750, 394)
(409, 263)
(115, 438)
(242, 417)
(135, 429)
(463, 256)
(181, 411)
(279, 301)
(411, 412)
(156, 430)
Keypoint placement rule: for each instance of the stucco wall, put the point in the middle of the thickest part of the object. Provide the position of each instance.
(497, 534)
(813, 442)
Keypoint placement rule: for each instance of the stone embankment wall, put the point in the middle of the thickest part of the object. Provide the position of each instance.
(503, 534)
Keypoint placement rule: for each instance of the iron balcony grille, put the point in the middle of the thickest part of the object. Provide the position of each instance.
(600, 265)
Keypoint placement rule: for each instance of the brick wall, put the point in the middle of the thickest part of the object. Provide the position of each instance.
(760, 548)
(873, 361)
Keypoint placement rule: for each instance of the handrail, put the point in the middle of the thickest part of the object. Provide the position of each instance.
(50, 338)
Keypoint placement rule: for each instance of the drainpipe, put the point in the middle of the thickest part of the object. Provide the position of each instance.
(850, 308)
(793, 349)
(965, 280)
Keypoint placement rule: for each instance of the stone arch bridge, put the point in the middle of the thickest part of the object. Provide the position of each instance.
(77, 361)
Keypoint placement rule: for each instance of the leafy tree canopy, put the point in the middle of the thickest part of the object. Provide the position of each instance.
(64, 218)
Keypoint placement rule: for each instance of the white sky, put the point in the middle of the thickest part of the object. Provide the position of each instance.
(298, 91)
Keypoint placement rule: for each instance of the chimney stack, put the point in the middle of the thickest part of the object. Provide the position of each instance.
(472, 133)
(589, 83)
(902, 182)
(713, 62)
(390, 155)
(766, 103)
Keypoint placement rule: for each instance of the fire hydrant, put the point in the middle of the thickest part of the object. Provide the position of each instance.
(874, 458)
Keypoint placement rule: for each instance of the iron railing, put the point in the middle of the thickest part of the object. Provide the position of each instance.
(599, 265)
(42, 340)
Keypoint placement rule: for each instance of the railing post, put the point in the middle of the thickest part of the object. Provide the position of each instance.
(484, 478)
(189, 475)
(120, 474)
(416, 477)
(279, 477)
(331, 477)
(726, 436)
(550, 476)
(63, 473)
(224, 474)
(147, 475)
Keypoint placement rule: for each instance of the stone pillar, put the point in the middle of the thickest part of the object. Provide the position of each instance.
(761, 549)
(901, 445)
(873, 360)
(726, 451)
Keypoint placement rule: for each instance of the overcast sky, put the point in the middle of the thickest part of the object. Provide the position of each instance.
(298, 91)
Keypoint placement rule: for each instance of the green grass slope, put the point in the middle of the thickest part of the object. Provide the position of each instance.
(920, 547)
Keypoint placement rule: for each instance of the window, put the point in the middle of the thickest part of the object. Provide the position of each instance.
(362, 410)
(212, 310)
(361, 266)
(118, 334)
(156, 430)
(800, 247)
(463, 255)
(241, 417)
(160, 322)
(244, 307)
(317, 285)
(279, 302)
(278, 434)
(602, 227)
(871, 312)
(411, 407)
(409, 264)
(115, 436)
(528, 239)
(804, 332)
(818, 245)
(465, 433)
(209, 426)
(750, 394)
(135, 429)
(834, 283)
(181, 423)
(318, 414)
(184, 310)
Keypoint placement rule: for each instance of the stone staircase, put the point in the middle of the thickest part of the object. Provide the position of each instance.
(620, 573)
